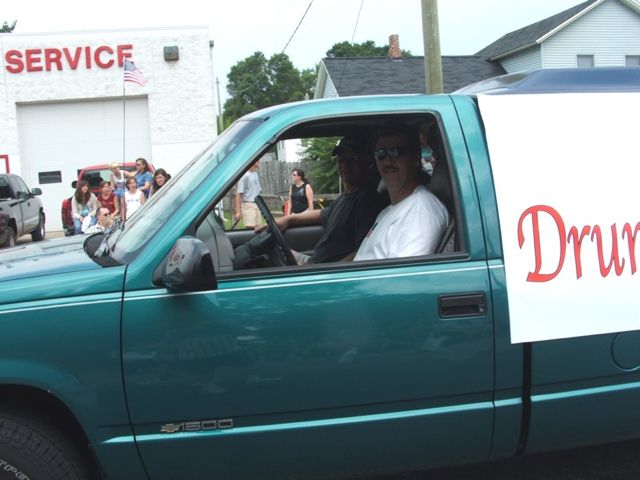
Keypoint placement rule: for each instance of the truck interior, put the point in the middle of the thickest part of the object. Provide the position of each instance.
(223, 238)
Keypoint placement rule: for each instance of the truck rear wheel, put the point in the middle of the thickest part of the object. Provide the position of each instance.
(39, 233)
(33, 450)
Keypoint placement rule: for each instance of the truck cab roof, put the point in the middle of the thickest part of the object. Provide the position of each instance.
(560, 80)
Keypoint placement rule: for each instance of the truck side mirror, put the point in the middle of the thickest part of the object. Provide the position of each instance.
(188, 267)
(36, 191)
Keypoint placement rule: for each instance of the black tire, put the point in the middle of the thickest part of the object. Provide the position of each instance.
(30, 449)
(39, 233)
(11, 238)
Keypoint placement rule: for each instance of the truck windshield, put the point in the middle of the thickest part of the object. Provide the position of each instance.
(125, 242)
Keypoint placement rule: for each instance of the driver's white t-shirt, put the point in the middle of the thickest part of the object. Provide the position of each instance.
(411, 227)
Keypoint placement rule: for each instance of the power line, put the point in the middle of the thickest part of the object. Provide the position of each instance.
(298, 26)
(285, 47)
(353, 35)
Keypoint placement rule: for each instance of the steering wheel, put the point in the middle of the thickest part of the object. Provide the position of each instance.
(281, 250)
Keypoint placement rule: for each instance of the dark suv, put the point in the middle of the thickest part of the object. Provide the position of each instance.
(20, 211)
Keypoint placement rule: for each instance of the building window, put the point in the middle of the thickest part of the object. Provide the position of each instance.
(585, 61)
(632, 60)
(50, 177)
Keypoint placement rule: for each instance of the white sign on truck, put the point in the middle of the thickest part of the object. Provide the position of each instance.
(566, 168)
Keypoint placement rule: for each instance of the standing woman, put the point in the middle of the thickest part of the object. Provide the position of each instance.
(83, 205)
(132, 199)
(142, 175)
(160, 177)
(300, 193)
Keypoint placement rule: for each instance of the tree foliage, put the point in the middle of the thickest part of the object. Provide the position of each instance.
(8, 28)
(316, 156)
(364, 49)
(257, 82)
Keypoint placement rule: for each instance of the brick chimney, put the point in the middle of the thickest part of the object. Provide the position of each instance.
(394, 47)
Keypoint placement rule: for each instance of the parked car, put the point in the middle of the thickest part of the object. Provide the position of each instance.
(20, 211)
(153, 351)
(94, 175)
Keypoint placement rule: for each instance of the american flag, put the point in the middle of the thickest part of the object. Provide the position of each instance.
(133, 74)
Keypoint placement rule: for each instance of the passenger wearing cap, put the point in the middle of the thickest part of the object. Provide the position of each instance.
(348, 218)
(416, 220)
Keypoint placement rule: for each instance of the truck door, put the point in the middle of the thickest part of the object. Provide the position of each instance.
(338, 369)
(28, 207)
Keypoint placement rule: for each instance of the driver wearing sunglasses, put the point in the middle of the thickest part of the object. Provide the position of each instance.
(416, 219)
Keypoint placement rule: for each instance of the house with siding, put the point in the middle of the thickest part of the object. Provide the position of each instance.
(594, 33)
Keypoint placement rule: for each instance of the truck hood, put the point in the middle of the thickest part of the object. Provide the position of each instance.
(60, 255)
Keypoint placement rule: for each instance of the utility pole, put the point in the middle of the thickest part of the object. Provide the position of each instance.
(431, 38)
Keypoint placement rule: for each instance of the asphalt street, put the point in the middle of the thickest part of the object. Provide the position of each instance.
(619, 461)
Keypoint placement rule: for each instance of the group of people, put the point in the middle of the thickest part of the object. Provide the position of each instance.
(358, 225)
(119, 197)
(300, 196)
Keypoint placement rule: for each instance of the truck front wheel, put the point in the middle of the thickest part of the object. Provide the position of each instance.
(33, 450)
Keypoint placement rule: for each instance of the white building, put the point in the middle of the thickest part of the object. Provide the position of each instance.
(64, 105)
(595, 33)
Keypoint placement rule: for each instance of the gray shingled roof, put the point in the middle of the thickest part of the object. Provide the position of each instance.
(382, 75)
(529, 34)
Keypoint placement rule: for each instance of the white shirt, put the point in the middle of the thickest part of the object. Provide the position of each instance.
(249, 186)
(133, 201)
(411, 227)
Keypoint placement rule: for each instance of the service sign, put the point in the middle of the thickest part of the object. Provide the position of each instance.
(566, 169)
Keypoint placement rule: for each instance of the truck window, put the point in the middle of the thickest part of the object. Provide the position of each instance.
(334, 174)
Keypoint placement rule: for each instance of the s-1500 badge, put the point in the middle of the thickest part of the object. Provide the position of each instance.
(197, 426)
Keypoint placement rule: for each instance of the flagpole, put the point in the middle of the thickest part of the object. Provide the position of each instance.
(124, 123)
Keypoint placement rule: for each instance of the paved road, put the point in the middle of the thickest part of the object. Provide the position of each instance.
(610, 462)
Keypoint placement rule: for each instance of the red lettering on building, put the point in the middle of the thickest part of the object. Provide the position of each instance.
(37, 60)
(14, 61)
(72, 61)
(52, 56)
(87, 57)
(33, 60)
(123, 52)
(617, 258)
(98, 60)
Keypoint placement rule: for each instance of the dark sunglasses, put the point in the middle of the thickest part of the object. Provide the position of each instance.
(391, 152)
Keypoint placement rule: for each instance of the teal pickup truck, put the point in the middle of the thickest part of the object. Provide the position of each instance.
(151, 351)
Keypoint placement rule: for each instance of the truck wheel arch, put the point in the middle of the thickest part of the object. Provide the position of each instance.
(47, 408)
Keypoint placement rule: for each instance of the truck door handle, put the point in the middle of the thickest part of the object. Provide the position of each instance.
(462, 305)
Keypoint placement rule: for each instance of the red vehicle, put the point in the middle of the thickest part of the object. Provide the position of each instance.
(93, 175)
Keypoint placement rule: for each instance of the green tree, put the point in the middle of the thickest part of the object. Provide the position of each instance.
(309, 77)
(364, 49)
(316, 156)
(6, 28)
(257, 82)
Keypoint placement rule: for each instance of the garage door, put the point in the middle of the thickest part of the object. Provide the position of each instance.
(59, 139)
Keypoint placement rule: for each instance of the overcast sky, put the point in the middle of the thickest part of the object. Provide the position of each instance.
(241, 27)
